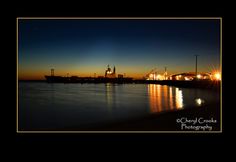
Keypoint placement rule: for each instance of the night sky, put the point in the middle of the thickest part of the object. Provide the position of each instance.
(135, 47)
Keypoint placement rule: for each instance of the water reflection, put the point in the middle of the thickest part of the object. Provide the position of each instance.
(164, 98)
(199, 101)
(178, 98)
(49, 106)
(110, 95)
(52, 96)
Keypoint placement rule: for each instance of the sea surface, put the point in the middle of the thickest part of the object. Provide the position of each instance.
(58, 106)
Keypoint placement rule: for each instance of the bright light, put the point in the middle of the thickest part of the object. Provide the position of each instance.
(186, 78)
(160, 77)
(199, 76)
(155, 77)
(179, 98)
(199, 101)
(217, 76)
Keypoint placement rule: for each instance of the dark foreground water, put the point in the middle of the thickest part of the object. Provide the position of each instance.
(44, 106)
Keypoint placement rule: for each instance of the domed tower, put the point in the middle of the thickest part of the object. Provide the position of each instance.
(114, 70)
(108, 68)
(109, 73)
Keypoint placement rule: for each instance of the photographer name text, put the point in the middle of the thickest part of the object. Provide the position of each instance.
(196, 124)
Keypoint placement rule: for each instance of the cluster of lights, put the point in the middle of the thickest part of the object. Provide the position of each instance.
(187, 78)
(178, 77)
(155, 77)
(214, 76)
(109, 72)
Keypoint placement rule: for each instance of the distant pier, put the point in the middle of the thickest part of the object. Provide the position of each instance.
(186, 80)
(209, 84)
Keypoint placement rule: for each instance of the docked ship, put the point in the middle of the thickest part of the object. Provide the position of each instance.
(110, 76)
(54, 79)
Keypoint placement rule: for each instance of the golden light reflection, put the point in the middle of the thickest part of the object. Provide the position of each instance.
(153, 95)
(109, 94)
(159, 100)
(171, 96)
(178, 98)
(199, 101)
(164, 98)
(165, 94)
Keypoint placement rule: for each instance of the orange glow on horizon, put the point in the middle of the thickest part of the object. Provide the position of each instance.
(39, 74)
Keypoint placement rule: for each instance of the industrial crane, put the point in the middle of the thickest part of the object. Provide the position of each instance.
(151, 72)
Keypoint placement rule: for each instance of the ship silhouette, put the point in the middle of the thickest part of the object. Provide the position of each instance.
(109, 77)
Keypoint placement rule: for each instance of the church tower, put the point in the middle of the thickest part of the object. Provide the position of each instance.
(109, 73)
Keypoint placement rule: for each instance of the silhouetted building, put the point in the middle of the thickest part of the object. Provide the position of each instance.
(120, 76)
(109, 73)
(190, 76)
(74, 78)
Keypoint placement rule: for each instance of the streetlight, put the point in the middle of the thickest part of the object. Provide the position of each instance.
(196, 65)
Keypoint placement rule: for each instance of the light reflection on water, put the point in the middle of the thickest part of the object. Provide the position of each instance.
(164, 98)
(178, 98)
(110, 95)
(43, 105)
(167, 98)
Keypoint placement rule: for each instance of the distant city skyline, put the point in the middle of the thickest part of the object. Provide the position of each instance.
(83, 47)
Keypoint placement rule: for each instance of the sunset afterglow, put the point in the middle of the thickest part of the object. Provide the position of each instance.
(85, 47)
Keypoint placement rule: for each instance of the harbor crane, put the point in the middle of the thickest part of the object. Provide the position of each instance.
(151, 72)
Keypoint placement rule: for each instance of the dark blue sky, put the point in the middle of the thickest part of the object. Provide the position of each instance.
(85, 47)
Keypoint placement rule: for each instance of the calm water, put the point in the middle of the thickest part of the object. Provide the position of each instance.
(49, 106)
